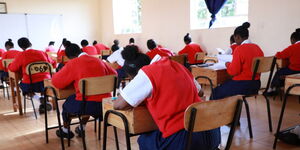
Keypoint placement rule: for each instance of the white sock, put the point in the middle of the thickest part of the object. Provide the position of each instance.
(65, 129)
(36, 97)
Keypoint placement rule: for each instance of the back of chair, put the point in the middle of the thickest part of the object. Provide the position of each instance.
(199, 56)
(179, 58)
(106, 52)
(97, 56)
(6, 62)
(98, 85)
(210, 59)
(39, 67)
(211, 114)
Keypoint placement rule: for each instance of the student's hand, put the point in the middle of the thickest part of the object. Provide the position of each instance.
(121, 104)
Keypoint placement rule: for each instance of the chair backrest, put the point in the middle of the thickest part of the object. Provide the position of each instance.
(179, 58)
(97, 56)
(97, 85)
(199, 56)
(39, 67)
(6, 62)
(106, 52)
(212, 114)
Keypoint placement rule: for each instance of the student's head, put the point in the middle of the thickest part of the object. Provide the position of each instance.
(84, 43)
(95, 42)
(134, 60)
(116, 42)
(66, 43)
(241, 33)
(232, 39)
(151, 44)
(51, 43)
(9, 44)
(295, 36)
(72, 51)
(131, 41)
(187, 39)
(24, 43)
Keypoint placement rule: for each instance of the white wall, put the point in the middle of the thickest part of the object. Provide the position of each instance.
(81, 18)
(167, 21)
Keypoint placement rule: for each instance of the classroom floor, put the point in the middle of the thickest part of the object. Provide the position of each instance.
(27, 133)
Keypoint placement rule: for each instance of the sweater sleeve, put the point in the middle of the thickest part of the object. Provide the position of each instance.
(64, 77)
(183, 51)
(235, 67)
(286, 53)
(16, 65)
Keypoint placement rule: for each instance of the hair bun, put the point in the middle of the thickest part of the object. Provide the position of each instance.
(9, 40)
(246, 25)
(188, 34)
(130, 52)
(298, 30)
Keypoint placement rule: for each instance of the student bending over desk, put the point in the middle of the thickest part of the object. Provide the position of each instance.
(293, 54)
(80, 66)
(167, 88)
(19, 65)
(240, 67)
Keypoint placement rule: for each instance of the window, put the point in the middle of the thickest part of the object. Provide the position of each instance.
(127, 16)
(233, 13)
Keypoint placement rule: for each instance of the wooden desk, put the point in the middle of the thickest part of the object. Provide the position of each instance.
(282, 63)
(14, 78)
(60, 93)
(217, 76)
(139, 118)
(289, 81)
(210, 59)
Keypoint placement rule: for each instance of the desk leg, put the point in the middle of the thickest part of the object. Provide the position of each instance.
(12, 87)
(19, 98)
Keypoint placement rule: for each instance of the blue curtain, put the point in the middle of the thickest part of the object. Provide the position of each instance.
(214, 6)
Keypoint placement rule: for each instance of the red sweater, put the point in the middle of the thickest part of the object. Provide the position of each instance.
(241, 66)
(9, 55)
(90, 50)
(82, 67)
(2, 51)
(29, 56)
(100, 47)
(171, 95)
(293, 54)
(233, 47)
(191, 50)
(163, 52)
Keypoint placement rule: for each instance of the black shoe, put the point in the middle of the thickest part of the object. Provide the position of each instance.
(78, 131)
(64, 135)
(42, 109)
(289, 138)
(272, 93)
(48, 104)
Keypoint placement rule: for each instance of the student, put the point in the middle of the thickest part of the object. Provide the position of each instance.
(90, 50)
(80, 66)
(190, 49)
(61, 53)
(233, 46)
(241, 67)
(115, 46)
(50, 47)
(99, 47)
(166, 98)
(9, 54)
(155, 50)
(19, 64)
(292, 53)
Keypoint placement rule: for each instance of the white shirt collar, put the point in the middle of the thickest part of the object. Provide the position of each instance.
(28, 48)
(297, 42)
(155, 59)
(81, 54)
(246, 42)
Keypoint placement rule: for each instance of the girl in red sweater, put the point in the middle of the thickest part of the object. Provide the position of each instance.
(292, 53)
(240, 67)
(155, 50)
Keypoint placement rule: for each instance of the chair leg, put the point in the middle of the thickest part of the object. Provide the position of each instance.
(7, 92)
(99, 130)
(248, 117)
(46, 122)
(280, 120)
(33, 107)
(95, 125)
(3, 89)
(82, 133)
(69, 131)
(24, 104)
(116, 137)
(269, 114)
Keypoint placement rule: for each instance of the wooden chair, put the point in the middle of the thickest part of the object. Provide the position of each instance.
(200, 56)
(210, 59)
(31, 69)
(182, 59)
(97, 56)
(293, 89)
(5, 63)
(105, 53)
(203, 116)
(261, 65)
